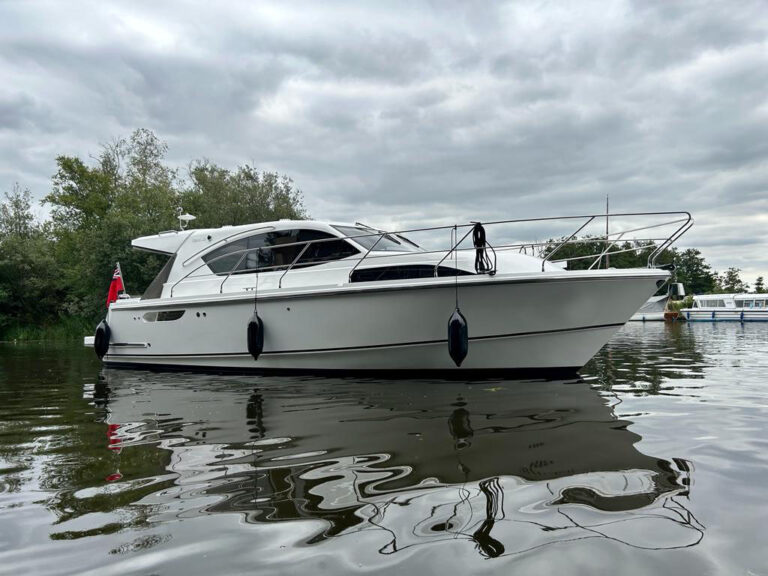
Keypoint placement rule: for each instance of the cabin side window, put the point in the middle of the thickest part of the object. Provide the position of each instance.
(378, 240)
(155, 289)
(404, 272)
(280, 249)
(233, 255)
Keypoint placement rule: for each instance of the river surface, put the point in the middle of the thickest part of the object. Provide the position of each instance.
(654, 462)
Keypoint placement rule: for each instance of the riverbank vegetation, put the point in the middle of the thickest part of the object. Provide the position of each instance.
(54, 274)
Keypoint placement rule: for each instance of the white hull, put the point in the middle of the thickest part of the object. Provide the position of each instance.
(724, 315)
(647, 317)
(552, 320)
(652, 311)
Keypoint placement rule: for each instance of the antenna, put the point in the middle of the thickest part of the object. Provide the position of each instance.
(607, 236)
(184, 220)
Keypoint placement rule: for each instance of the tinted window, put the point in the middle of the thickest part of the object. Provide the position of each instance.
(224, 259)
(325, 251)
(155, 289)
(405, 272)
(280, 250)
(373, 239)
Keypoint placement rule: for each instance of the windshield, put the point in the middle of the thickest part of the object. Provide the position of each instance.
(373, 239)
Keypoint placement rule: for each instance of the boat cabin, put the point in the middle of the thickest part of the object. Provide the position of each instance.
(714, 301)
(755, 301)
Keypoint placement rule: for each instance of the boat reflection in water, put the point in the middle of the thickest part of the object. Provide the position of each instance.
(505, 466)
(648, 358)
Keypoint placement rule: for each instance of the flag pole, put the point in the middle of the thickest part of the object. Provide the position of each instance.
(122, 280)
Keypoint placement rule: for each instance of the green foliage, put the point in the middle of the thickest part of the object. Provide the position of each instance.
(62, 329)
(759, 285)
(583, 254)
(219, 197)
(28, 293)
(677, 305)
(690, 267)
(96, 212)
(730, 282)
(692, 270)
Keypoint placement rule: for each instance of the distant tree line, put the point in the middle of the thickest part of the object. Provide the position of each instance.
(59, 270)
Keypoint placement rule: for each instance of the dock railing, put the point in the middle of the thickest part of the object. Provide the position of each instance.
(679, 223)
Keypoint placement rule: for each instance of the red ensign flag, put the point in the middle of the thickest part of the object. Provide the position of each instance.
(115, 287)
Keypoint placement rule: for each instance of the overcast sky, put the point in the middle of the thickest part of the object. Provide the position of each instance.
(407, 113)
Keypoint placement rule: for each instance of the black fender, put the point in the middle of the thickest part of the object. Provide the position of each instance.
(255, 336)
(101, 339)
(458, 337)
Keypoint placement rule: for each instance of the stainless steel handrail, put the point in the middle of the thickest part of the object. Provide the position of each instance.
(221, 286)
(605, 252)
(547, 256)
(244, 252)
(455, 245)
(298, 257)
(686, 223)
(366, 254)
(670, 240)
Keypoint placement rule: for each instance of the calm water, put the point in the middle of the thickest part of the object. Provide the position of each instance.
(656, 462)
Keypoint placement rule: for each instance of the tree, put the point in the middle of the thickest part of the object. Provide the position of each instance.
(29, 293)
(130, 191)
(695, 274)
(731, 281)
(759, 285)
(16, 213)
(583, 253)
(219, 197)
(97, 210)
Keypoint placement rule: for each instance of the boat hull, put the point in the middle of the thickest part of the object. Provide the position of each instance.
(649, 317)
(724, 315)
(550, 323)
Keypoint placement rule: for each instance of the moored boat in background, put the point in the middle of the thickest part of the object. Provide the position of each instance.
(728, 308)
(656, 308)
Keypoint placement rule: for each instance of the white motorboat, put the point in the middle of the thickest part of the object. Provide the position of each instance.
(656, 308)
(315, 296)
(728, 308)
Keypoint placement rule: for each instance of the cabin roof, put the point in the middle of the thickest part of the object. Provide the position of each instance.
(171, 241)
